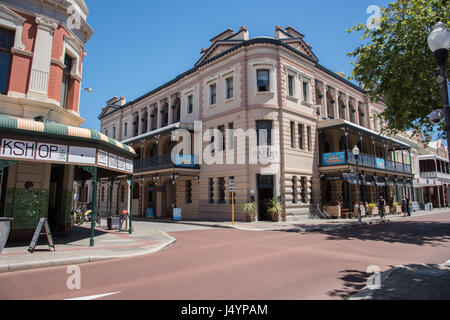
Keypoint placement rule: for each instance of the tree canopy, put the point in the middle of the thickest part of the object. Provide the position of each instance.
(396, 65)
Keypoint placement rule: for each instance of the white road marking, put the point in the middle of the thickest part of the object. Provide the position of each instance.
(93, 297)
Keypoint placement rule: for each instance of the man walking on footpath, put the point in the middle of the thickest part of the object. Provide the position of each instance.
(408, 205)
(381, 207)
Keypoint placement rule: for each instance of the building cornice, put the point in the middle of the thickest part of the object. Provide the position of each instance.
(243, 44)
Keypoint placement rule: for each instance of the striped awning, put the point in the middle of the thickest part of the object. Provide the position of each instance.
(61, 131)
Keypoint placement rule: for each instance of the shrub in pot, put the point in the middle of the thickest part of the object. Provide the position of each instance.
(275, 209)
(249, 210)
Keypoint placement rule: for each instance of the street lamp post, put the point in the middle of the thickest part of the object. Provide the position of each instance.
(439, 43)
(356, 153)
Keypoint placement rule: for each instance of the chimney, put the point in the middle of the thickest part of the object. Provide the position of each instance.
(123, 100)
(279, 33)
(244, 32)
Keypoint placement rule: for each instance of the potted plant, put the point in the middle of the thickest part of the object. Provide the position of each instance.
(373, 210)
(396, 208)
(249, 210)
(275, 209)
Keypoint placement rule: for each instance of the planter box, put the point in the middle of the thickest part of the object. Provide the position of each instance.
(363, 212)
(396, 210)
(373, 212)
(5, 227)
(333, 212)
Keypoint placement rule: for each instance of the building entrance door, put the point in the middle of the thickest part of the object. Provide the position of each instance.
(55, 193)
(265, 194)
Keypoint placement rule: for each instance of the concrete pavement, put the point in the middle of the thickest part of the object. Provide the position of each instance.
(302, 226)
(411, 282)
(75, 249)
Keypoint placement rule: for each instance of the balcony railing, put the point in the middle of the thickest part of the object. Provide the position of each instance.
(435, 175)
(364, 160)
(164, 162)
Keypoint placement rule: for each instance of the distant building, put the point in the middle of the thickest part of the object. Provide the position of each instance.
(314, 116)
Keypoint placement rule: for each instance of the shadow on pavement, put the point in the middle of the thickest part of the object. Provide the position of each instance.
(77, 235)
(354, 281)
(411, 232)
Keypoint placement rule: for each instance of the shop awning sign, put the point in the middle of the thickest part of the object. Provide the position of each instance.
(31, 150)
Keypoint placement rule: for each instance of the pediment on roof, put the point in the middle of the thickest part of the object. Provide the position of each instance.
(106, 110)
(217, 48)
(300, 45)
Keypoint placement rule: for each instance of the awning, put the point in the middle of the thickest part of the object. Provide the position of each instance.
(33, 141)
(390, 182)
(369, 181)
(332, 177)
(351, 178)
(381, 181)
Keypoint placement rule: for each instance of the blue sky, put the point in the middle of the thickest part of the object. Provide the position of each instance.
(139, 44)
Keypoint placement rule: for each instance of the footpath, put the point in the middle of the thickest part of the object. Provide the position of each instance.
(75, 249)
(305, 225)
(411, 282)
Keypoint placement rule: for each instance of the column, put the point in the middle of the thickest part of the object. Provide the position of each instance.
(139, 123)
(170, 101)
(309, 190)
(149, 119)
(325, 101)
(111, 187)
(40, 68)
(347, 110)
(158, 108)
(336, 104)
(131, 186)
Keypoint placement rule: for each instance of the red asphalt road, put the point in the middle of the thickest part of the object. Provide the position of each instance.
(227, 264)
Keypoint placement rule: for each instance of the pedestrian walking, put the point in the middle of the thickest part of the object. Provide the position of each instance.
(408, 206)
(382, 207)
(404, 209)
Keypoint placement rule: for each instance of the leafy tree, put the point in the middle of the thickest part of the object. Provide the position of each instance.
(396, 65)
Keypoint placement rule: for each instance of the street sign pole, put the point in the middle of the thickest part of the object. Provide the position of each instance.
(232, 186)
(232, 202)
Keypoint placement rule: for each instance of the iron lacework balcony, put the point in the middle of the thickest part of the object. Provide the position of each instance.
(364, 160)
(164, 162)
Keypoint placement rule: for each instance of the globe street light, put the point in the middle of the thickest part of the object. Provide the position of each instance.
(439, 43)
(356, 153)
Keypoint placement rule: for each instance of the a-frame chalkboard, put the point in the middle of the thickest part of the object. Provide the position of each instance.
(42, 223)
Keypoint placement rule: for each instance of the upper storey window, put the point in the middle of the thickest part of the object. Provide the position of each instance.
(263, 80)
(213, 94)
(6, 43)
(229, 88)
(65, 84)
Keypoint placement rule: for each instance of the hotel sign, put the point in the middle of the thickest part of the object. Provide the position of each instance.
(331, 159)
(31, 150)
(380, 164)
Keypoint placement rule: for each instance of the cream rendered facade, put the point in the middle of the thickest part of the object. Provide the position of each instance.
(301, 94)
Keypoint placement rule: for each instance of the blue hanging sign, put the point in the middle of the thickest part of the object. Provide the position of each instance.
(331, 159)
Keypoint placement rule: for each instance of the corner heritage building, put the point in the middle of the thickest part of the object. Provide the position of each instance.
(42, 147)
(314, 118)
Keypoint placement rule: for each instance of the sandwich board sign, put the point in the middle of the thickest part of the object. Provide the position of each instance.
(43, 223)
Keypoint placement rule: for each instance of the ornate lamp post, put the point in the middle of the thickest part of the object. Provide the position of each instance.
(439, 43)
(356, 153)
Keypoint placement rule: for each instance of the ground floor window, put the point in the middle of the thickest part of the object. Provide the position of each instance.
(221, 190)
(211, 190)
(189, 191)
